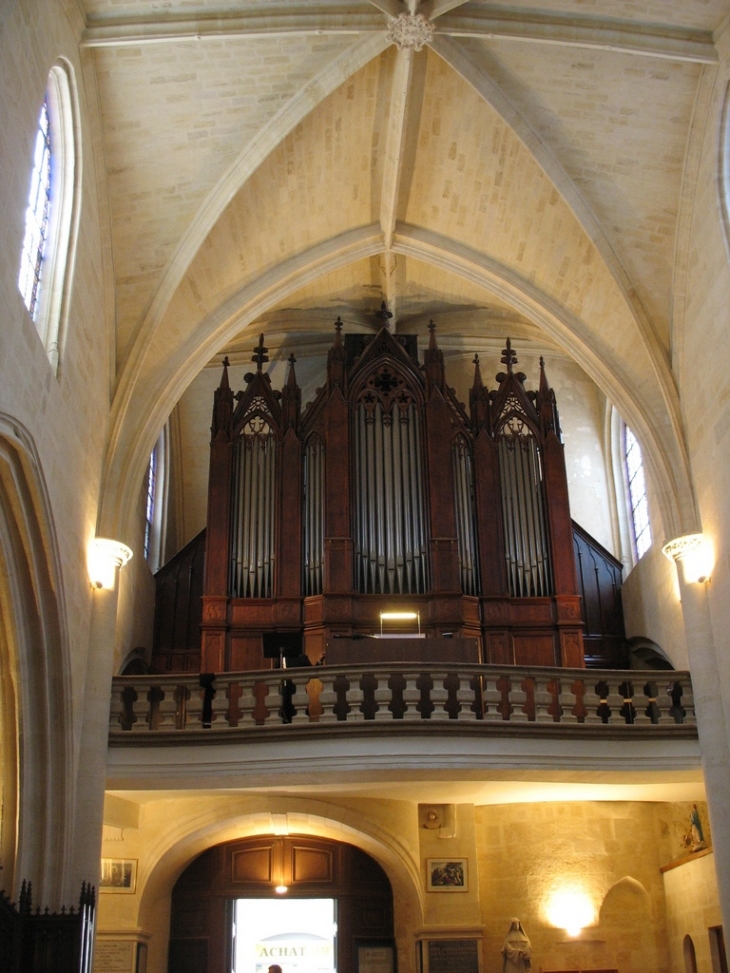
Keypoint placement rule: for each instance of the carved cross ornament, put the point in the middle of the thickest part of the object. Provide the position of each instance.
(410, 31)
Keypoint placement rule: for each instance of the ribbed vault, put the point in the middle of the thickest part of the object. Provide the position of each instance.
(381, 162)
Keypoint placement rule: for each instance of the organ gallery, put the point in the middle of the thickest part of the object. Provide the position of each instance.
(386, 493)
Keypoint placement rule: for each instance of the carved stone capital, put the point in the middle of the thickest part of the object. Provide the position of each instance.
(695, 553)
(410, 31)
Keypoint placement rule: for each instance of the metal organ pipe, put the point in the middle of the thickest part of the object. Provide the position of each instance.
(465, 523)
(390, 527)
(313, 516)
(252, 524)
(523, 516)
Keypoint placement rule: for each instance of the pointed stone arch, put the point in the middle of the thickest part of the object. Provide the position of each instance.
(629, 381)
(625, 921)
(36, 704)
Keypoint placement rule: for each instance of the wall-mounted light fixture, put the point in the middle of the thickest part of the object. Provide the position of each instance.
(105, 556)
(570, 909)
(696, 555)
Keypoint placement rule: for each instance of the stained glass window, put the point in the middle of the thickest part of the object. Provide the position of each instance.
(150, 505)
(37, 217)
(637, 493)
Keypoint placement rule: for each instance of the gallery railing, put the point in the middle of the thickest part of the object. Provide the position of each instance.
(329, 696)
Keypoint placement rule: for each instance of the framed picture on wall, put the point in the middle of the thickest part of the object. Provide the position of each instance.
(447, 875)
(118, 875)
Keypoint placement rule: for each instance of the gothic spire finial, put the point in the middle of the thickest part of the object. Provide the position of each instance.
(509, 358)
(259, 356)
(224, 379)
(384, 314)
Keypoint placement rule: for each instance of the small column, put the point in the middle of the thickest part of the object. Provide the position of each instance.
(693, 556)
(106, 560)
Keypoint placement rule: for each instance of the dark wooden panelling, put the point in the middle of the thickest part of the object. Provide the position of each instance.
(178, 610)
(599, 585)
(188, 955)
(311, 867)
(534, 650)
(252, 865)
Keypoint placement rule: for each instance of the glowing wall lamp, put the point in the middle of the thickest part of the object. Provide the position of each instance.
(104, 558)
(570, 909)
(400, 616)
(694, 552)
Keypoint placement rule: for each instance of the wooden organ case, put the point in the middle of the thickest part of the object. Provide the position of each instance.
(386, 493)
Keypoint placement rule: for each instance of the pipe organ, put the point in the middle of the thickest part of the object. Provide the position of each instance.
(387, 493)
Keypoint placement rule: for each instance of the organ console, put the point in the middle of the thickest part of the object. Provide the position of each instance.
(386, 492)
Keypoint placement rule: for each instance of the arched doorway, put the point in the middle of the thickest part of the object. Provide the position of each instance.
(690, 959)
(204, 897)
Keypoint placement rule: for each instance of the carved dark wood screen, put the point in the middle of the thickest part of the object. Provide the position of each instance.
(387, 492)
(599, 584)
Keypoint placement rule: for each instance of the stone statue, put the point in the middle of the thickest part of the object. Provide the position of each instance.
(516, 949)
(695, 837)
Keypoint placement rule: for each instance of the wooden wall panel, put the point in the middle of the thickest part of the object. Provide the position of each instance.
(311, 867)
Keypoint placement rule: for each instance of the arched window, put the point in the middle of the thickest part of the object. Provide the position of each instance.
(638, 502)
(37, 215)
(52, 212)
(149, 517)
(156, 501)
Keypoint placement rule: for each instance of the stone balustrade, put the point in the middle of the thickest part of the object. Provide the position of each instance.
(454, 695)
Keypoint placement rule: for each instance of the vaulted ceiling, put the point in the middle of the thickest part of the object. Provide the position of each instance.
(502, 170)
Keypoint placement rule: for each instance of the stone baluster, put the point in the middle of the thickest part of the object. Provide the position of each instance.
(665, 703)
(274, 700)
(141, 708)
(246, 703)
(439, 696)
(383, 696)
(116, 709)
(411, 697)
(517, 701)
(687, 702)
(543, 699)
(194, 708)
(644, 701)
(567, 700)
(328, 697)
(615, 701)
(354, 698)
(300, 698)
(219, 704)
(168, 708)
(591, 700)
(466, 697)
(492, 698)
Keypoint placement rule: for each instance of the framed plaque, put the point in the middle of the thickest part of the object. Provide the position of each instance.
(452, 956)
(374, 956)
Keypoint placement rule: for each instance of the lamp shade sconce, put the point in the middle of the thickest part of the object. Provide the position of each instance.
(695, 553)
(105, 557)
